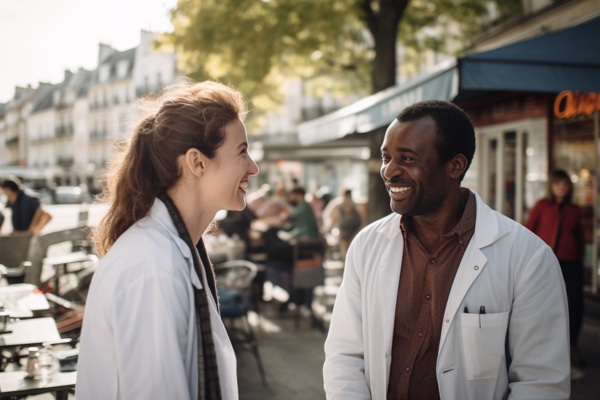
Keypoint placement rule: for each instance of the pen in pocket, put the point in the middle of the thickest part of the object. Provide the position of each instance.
(481, 311)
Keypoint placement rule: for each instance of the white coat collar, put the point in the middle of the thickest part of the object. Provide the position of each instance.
(160, 215)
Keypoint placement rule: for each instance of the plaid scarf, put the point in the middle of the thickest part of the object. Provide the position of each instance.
(208, 371)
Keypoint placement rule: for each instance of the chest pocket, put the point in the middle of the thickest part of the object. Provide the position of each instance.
(483, 338)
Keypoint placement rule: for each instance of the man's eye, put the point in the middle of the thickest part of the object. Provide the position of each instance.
(385, 158)
(407, 158)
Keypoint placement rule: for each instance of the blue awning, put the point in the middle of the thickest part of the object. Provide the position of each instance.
(380, 108)
(561, 60)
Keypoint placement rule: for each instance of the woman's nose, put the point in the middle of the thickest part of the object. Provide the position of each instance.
(253, 168)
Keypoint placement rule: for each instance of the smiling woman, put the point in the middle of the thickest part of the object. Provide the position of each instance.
(152, 311)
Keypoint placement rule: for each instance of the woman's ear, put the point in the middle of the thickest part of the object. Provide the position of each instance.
(195, 162)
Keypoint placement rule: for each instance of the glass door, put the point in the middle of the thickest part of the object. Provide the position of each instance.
(513, 166)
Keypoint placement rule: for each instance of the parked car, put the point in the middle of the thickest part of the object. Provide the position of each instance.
(69, 195)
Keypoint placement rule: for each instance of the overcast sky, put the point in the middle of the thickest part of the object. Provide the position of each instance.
(39, 39)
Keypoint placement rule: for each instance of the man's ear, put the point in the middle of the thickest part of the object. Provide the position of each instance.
(195, 162)
(457, 166)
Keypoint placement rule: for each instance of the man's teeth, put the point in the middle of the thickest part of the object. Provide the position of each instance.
(399, 189)
(244, 186)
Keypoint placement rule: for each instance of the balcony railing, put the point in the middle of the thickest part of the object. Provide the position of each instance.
(64, 130)
(64, 161)
(98, 135)
(14, 141)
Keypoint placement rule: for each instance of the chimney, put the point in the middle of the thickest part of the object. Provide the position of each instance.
(104, 51)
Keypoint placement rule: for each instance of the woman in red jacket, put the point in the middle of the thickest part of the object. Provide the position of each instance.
(558, 222)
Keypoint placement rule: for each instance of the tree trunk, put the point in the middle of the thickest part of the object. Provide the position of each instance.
(384, 28)
(379, 201)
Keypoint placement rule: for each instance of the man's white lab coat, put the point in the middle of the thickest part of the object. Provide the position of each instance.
(521, 350)
(139, 338)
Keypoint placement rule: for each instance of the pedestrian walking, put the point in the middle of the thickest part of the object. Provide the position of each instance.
(29, 216)
(558, 222)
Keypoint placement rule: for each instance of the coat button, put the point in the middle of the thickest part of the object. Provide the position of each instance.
(447, 320)
(476, 267)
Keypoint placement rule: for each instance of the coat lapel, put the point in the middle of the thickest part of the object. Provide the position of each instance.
(473, 262)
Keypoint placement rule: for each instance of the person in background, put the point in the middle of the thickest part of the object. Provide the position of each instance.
(28, 214)
(445, 298)
(275, 205)
(558, 222)
(346, 218)
(238, 223)
(151, 327)
(302, 217)
(258, 197)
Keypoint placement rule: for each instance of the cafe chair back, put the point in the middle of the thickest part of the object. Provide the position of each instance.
(234, 279)
(14, 251)
(39, 250)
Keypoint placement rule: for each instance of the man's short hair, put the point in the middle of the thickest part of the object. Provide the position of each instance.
(298, 190)
(454, 128)
(11, 183)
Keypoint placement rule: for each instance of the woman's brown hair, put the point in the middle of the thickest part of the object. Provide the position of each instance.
(561, 175)
(192, 115)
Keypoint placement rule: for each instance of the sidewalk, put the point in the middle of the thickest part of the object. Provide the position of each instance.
(293, 358)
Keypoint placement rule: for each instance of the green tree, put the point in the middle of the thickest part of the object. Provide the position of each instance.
(339, 45)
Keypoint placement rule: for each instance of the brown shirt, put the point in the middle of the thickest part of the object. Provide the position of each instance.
(425, 283)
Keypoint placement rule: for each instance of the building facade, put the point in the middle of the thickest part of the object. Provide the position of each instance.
(534, 104)
(65, 133)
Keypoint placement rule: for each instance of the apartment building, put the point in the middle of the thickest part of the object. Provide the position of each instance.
(65, 133)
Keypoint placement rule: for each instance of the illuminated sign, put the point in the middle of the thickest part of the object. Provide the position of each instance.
(569, 104)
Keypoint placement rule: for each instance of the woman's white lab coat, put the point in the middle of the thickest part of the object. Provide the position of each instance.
(139, 338)
(521, 350)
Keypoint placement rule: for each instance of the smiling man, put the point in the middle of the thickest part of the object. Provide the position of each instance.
(445, 298)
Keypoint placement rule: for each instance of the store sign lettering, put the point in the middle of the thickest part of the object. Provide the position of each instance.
(569, 104)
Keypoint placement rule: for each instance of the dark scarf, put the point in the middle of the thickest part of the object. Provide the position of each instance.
(208, 371)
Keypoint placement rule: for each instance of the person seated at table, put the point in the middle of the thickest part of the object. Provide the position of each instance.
(275, 205)
(297, 224)
(237, 223)
(28, 213)
(151, 327)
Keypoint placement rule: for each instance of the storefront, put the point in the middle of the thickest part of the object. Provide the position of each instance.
(534, 105)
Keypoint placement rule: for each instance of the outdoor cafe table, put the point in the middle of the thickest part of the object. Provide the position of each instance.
(60, 263)
(25, 333)
(23, 301)
(29, 332)
(14, 386)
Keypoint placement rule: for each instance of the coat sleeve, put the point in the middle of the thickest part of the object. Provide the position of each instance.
(534, 217)
(539, 331)
(344, 368)
(151, 328)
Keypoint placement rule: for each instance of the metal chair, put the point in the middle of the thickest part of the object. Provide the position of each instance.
(39, 252)
(307, 274)
(234, 279)
(14, 252)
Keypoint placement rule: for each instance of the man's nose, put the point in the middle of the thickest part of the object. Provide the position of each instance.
(389, 170)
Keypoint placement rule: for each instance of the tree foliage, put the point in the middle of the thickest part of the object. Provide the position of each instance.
(339, 45)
